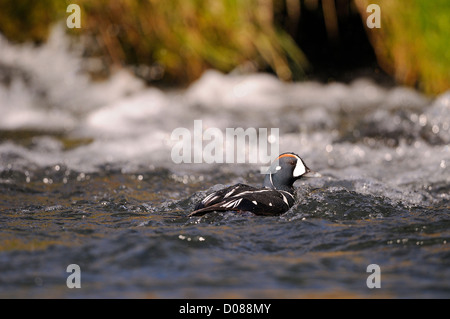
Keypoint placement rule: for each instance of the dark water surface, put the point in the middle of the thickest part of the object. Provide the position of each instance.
(131, 238)
(86, 178)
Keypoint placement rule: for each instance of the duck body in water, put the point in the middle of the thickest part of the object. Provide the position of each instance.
(275, 197)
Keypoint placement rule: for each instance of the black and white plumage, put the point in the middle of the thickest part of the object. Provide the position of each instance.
(274, 198)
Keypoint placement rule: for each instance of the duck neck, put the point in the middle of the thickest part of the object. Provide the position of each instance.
(271, 181)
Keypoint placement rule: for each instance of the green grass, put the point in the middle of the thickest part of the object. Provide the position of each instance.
(188, 37)
(184, 38)
(26, 20)
(412, 43)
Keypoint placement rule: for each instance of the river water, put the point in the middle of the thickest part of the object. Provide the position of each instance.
(87, 178)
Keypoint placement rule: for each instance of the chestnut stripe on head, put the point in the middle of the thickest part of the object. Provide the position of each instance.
(288, 155)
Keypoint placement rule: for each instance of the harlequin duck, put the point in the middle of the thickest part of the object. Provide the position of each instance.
(274, 198)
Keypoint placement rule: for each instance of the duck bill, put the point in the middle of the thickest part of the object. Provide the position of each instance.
(310, 173)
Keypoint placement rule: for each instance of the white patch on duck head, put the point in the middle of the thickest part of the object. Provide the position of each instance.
(300, 168)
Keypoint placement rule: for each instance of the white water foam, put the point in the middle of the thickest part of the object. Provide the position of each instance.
(129, 124)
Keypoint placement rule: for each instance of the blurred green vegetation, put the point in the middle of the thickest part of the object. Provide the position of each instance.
(187, 37)
(413, 41)
(25, 20)
(178, 40)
